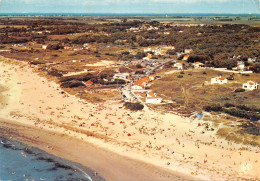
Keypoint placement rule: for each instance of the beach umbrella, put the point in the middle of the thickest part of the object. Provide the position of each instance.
(199, 115)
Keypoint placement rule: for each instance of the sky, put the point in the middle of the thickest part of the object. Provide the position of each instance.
(130, 6)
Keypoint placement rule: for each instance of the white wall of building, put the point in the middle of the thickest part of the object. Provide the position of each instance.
(153, 100)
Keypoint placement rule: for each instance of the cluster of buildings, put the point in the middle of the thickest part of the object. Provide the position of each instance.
(85, 46)
(141, 84)
(157, 51)
(144, 27)
(42, 32)
(23, 45)
(241, 66)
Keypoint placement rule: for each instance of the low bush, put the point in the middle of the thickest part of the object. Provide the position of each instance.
(84, 77)
(227, 105)
(240, 90)
(253, 130)
(55, 73)
(72, 84)
(133, 106)
(214, 107)
(243, 107)
(247, 75)
(36, 62)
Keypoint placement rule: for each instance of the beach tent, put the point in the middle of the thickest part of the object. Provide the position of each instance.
(199, 115)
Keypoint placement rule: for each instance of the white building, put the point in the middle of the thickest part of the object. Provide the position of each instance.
(187, 51)
(147, 50)
(138, 85)
(152, 77)
(198, 65)
(240, 65)
(178, 66)
(218, 80)
(251, 85)
(44, 47)
(186, 57)
(152, 98)
(124, 76)
(85, 45)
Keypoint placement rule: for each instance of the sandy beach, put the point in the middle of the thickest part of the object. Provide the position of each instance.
(115, 142)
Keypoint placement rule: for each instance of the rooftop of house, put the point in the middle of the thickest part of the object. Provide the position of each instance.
(89, 82)
(251, 82)
(220, 78)
(196, 63)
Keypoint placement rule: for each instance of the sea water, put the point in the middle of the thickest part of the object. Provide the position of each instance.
(18, 162)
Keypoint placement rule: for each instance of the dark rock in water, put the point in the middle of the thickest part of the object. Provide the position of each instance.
(66, 167)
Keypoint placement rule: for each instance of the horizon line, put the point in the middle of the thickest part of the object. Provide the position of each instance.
(71, 13)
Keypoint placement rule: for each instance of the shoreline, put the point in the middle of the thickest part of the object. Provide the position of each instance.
(39, 154)
(160, 146)
(45, 140)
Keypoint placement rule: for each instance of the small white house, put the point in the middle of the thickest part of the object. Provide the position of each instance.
(240, 65)
(147, 49)
(146, 58)
(198, 65)
(85, 45)
(218, 80)
(152, 98)
(178, 66)
(186, 57)
(251, 85)
(152, 77)
(187, 51)
(44, 47)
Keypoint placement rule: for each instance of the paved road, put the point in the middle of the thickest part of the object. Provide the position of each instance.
(126, 90)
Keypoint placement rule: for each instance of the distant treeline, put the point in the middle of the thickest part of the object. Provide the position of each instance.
(218, 46)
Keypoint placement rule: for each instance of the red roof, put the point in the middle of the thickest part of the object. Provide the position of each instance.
(89, 82)
(221, 78)
(139, 83)
(151, 94)
(251, 82)
(142, 81)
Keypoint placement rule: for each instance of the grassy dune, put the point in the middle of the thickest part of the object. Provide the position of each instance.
(194, 90)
